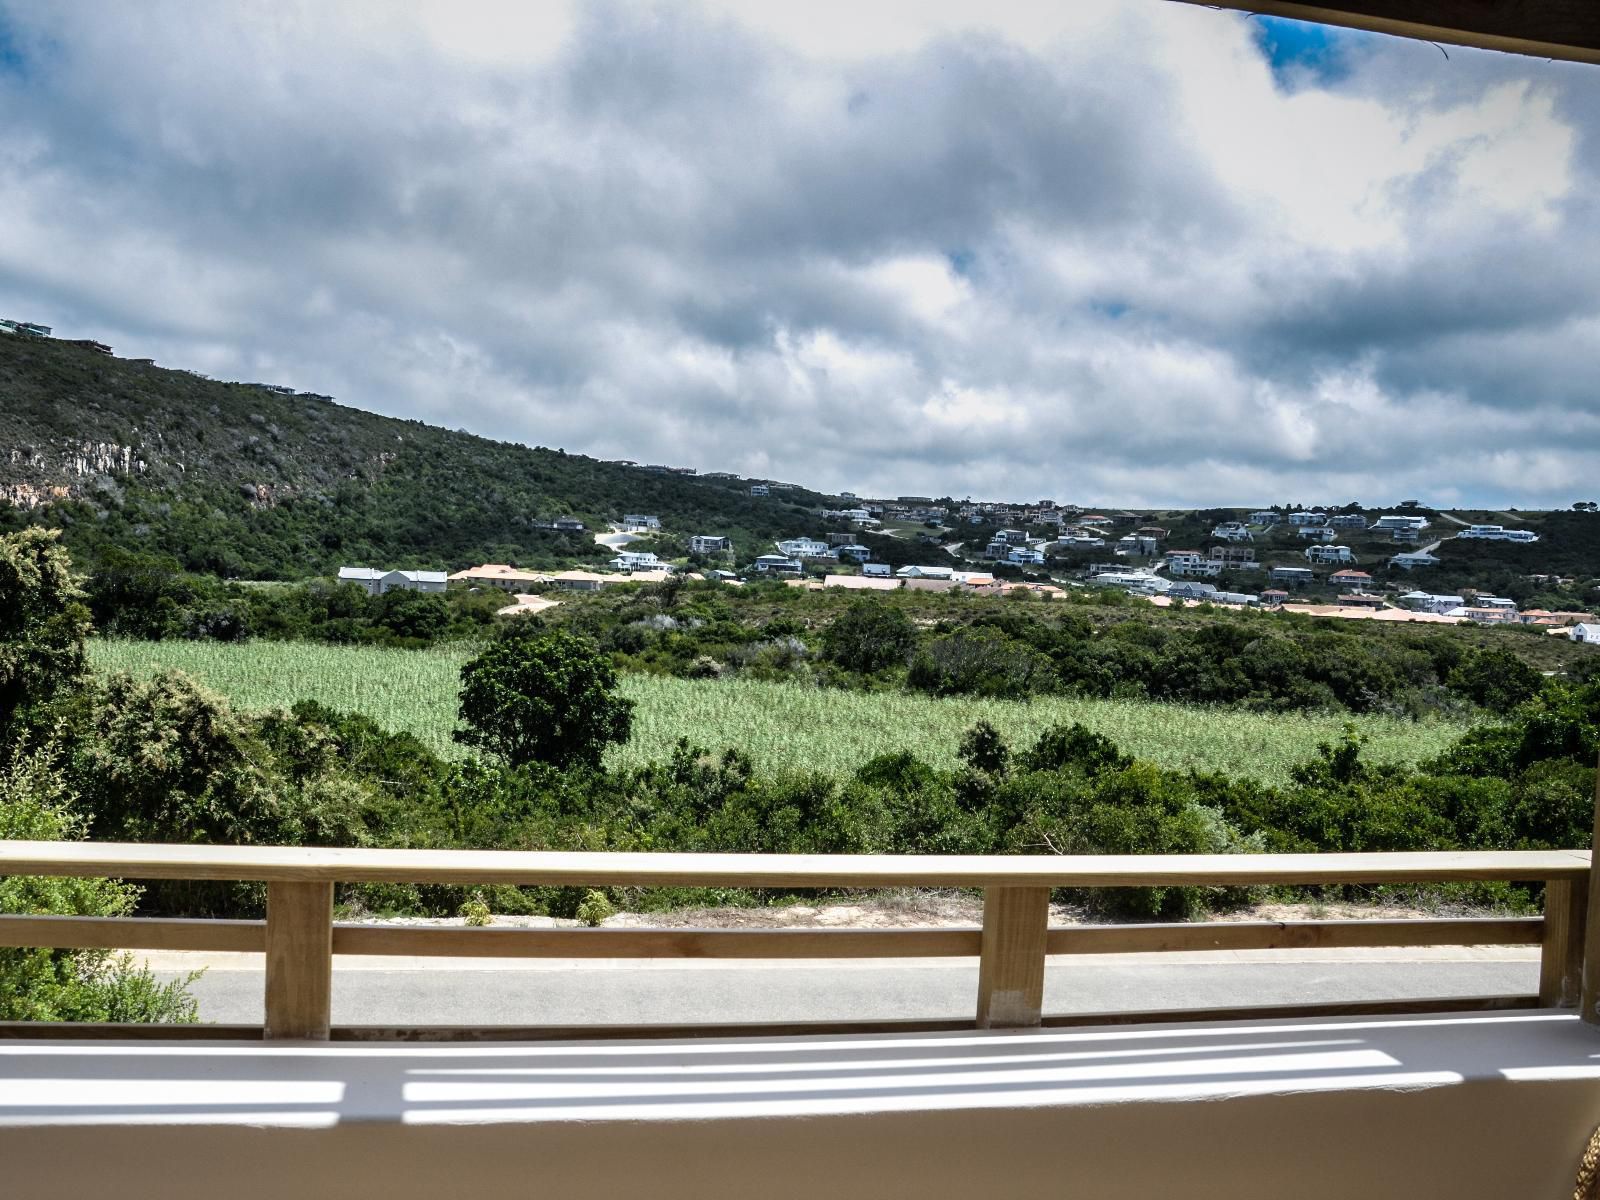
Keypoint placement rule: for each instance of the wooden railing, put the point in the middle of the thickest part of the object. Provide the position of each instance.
(300, 938)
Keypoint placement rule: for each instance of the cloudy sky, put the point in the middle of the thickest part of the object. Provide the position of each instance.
(1124, 252)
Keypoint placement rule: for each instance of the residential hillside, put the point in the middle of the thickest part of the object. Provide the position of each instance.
(241, 481)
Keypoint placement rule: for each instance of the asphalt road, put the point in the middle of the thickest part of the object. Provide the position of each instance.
(377, 991)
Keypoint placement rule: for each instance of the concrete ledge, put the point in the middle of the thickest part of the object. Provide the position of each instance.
(1485, 1105)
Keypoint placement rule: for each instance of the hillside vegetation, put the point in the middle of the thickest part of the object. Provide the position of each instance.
(241, 482)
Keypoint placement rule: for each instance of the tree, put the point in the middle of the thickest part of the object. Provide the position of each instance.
(869, 636)
(547, 697)
(43, 624)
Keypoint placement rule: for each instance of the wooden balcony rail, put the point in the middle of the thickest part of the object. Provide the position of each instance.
(300, 938)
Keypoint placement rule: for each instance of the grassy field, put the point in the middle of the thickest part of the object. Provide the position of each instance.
(779, 725)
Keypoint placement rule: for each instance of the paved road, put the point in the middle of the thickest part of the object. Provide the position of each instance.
(409, 991)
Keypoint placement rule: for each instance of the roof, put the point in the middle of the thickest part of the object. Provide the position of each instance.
(360, 574)
(861, 583)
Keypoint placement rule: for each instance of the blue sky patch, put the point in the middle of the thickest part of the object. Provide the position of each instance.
(1301, 50)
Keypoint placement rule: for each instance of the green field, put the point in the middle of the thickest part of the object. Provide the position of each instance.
(780, 725)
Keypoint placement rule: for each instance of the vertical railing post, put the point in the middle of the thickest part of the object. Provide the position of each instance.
(299, 998)
(1566, 903)
(1589, 1006)
(1011, 969)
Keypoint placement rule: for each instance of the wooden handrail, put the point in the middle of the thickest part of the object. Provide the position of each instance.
(300, 938)
(290, 864)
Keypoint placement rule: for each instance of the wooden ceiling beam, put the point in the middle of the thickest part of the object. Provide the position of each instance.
(1565, 29)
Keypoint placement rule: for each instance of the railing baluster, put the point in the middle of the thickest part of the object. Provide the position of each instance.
(1011, 969)
(1561, 948)
(299, 991)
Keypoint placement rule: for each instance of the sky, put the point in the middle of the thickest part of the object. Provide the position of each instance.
(1110, 251)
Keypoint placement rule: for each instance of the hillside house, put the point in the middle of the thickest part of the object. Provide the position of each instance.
(855, 552)
(1500, 602)
(708, 544)
(583, 581)
(806, 548)
(640, 523)
(1210, 594)
(1264, 516)
(1393, 521)
(1025, 556)
(1080, 541)
(1360, 600)
(1137, 583)
(1293, 576)
(1012, 537)
(760, 489)
(377, 583)
(777, 564)
(1273, 597)
(25, 328)
(1329, 554)
(1357, 581)
(1191, 564)
(1587, 633)
(567, 525)
(636, 560)
(1410, 560)
(1482, 615)
(1315, 533)
(500, 575)
(1151, 531)
(1347, 521)
(1139, 545)
(1497, 533)
(1232, 531)
(1235, 558)
(1308, 519)
(920, 572)
(1430, 603)
(877, 570)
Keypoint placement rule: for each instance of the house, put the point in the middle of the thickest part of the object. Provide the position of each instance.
(500, 575)
(1273, 597)
(1025, 556)
(1232, 531)
(583, 581)
(1502, 602)
(1407, 560)
(1358, 580)
(777, 564)
(1315, 533)
(376, 583)
(1138, 583)
(1481, 615)
(1209, 593)
(1012, 537)
(1587, 633)
(854, 552)
(1347, 521)
(1235, 558)
(1264, 516)
(1097, 520)
(1427, 602)
(1540, 616)
(707, 544)
(876, 570)
(806, 548)
(1497, 533)
(1191, 564)
(1405, 534)
(640, 523)
(1330, 554)
(1141, 545)
(1295, 576)
(567, 525)
(25, 328)
(918, 572)
(636, 560)
(1393, 521)
(1305, 519)
(760, 489)
(996, 549)
(88, 344)
(1360, 600)
(1080, 542)
(1151, 531)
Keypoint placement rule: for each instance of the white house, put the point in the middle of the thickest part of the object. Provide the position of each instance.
(1293, 575)
(876, 570)
(1232, 531)
(1191, 564)
(1393, 521)
(1139, 583)
(640, 522)
(1025, 556)
(1585, 633)
(708, 544)
(1497, 533)
(376, 583)
(1308, 518)
(1315, 533)
(1427, 602)
(636, 560)
(1359, 580)
(915, 572)
(1406, 560)
(1264, 516)
(1012, 537)
(1504, 603)
(854, 553)
(760, 489)
(1329, 554)
(1347, 521)
(805, 548)
(1137, 544)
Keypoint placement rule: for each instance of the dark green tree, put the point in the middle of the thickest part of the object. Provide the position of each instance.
(546, 697)
(43, 624)
(869, 636)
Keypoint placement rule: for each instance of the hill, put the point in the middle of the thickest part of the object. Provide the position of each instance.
(239, 481)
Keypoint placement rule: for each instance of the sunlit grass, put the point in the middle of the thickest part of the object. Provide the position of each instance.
(780, 725)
